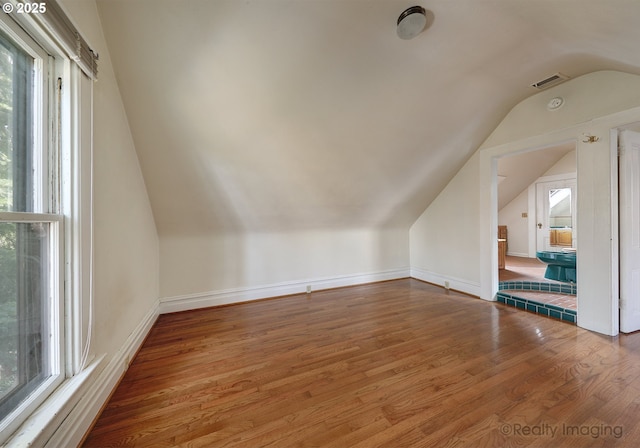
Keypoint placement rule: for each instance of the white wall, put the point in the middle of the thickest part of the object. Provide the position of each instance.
(204, 270)
(444, 237)
(517, 227)
(594, 104)
(126, 247)
(566, 165)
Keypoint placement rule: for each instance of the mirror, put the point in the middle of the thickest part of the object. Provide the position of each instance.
(560, 208)
(560, 219)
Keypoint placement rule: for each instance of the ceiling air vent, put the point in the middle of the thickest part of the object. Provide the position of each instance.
(551, 81)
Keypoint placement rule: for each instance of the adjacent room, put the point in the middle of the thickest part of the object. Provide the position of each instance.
(537, 231)
(319, 223)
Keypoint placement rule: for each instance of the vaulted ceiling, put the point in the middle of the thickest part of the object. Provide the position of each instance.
(276, 115)
(517, 172)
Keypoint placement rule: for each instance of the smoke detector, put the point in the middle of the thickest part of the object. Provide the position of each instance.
(555, 103)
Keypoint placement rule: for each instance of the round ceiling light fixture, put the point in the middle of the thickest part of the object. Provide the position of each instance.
(413, 21)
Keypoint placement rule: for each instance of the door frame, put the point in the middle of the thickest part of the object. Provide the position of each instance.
(628, 308)
(595, 314)
(568, 180)
(599, 259)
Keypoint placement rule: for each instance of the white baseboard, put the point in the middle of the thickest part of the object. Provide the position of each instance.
(228, 296)
(81, 417)
(454, 283)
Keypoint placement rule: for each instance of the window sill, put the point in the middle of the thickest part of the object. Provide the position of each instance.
(40, 426)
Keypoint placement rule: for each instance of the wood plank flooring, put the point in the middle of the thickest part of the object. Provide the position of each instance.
(393, 364)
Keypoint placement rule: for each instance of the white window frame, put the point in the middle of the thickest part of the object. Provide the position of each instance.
(68, 129)
(55, 319)
(45, 152)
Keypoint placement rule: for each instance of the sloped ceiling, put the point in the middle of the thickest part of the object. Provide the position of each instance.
(517, 172)
(276, 115)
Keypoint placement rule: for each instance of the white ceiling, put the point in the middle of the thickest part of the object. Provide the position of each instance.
(275, 115)
(518, 171)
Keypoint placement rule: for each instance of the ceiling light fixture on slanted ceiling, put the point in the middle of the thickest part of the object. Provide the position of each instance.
(413, 21)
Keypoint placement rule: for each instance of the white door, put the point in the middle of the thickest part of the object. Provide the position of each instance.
(550, 195)
(629, 209)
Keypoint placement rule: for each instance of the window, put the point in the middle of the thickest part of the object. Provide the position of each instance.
(47, 71)
(31, 352)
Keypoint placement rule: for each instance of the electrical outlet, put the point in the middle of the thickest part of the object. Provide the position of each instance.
(308, 289)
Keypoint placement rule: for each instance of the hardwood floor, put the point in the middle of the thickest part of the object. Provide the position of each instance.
(393, 364)
(523, 268)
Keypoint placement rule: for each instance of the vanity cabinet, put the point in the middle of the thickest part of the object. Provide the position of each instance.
(502, 235)
(560, 237)
(502, 232)
(502, 246)
(502, 253)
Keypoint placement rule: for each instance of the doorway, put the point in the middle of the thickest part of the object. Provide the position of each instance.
(536, 195)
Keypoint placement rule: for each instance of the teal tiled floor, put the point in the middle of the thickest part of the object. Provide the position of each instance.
(510, 298)
(523, 286)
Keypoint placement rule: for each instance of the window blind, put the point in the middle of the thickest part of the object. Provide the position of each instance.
(55, 22)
